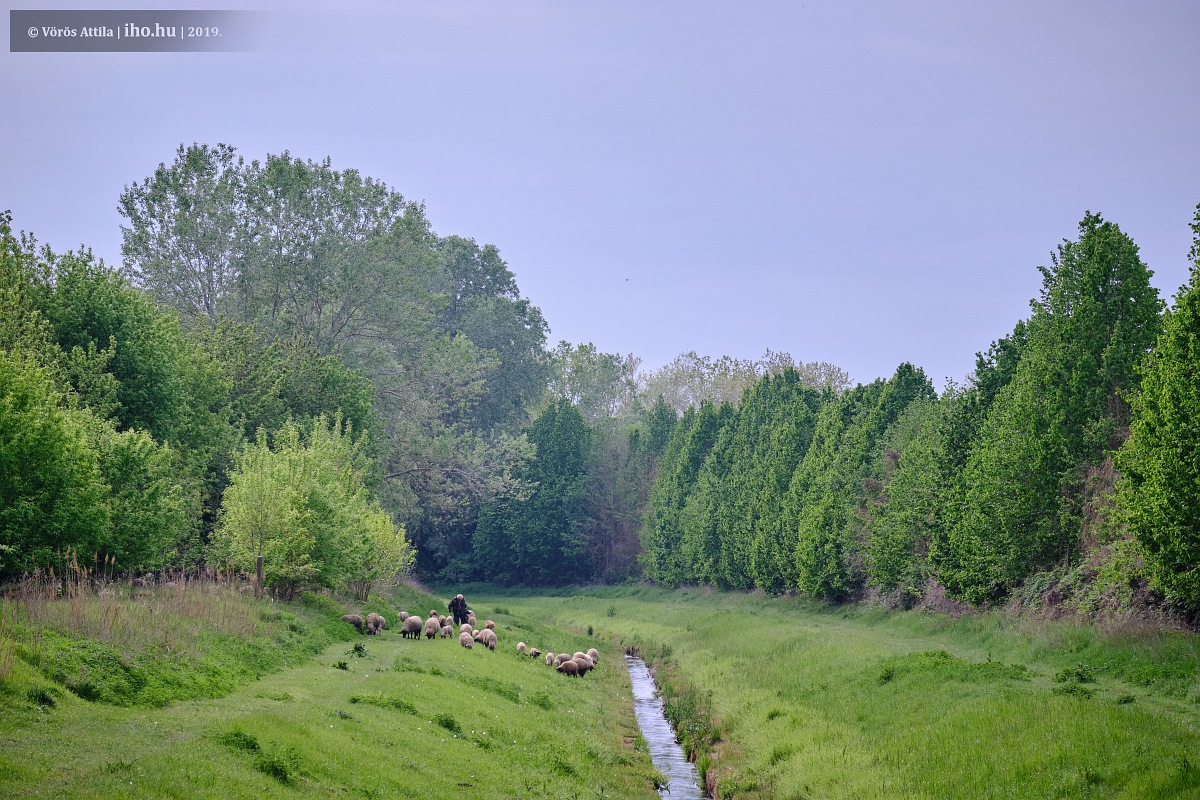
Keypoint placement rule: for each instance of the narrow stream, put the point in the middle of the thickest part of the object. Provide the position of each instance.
(683, 781)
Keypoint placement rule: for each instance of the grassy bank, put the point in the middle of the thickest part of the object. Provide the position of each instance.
(392, 718)
(814, 702)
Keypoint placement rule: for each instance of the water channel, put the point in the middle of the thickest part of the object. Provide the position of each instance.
(683, 781)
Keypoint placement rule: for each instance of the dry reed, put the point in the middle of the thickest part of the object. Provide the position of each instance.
(157, 614)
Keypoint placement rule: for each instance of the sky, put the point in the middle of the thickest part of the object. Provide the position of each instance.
(863, 183)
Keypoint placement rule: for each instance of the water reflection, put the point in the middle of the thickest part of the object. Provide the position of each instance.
(683, 781)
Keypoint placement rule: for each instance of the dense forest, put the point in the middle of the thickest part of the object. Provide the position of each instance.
(292, 364)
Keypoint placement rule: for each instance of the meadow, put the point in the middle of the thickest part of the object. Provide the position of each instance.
(201, 691)
(786, 698)
(298, 704)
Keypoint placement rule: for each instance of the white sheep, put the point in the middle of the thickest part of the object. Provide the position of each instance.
(521, 648)
(466, 641)
(411, 628)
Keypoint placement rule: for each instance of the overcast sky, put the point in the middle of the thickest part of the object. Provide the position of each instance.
(858, 182)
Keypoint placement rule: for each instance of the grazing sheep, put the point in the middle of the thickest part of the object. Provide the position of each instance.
(489, 638)
(534, 653)
(578, 653)
(471, 618)
(521, 648)
(491, 626)
(447, 631)
(549, 659)
(375, 623)
(560, 658)
(584, 659)
(594, 655)
(432, 628)
(477, 635)
(403, 616)
(583, 664)
(466, 641)
(465, 628)
(412, 628)
(355, 620)
(569, 667)
(442, 620)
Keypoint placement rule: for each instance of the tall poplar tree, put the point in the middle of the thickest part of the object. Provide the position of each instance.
(1096, 318)
(1160, 490)
(538, 540)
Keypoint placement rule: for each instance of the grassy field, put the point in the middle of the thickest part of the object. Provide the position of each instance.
(276, 718)
(203, 692)
(807, 701)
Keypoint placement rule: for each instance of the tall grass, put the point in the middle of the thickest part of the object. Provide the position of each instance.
(151, 639)
(810, 701)
(155, 615)
(405, 718)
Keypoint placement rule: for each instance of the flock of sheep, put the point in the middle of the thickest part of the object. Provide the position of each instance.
(436, 625)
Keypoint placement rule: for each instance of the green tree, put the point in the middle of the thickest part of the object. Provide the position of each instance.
(599, 384)
(1063, 409)
(185, 235)
(1159, 494)
(832, 488)
(676, 542)
(539, 539)
(909, 511)
(153, 516)
(52, 493)
(300, 502)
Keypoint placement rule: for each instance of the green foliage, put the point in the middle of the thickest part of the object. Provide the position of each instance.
(152, 515)
(667, 556)
(1097, 316)
(909, 511)
(775, 423)
(52, 492)
(625, 459)
(1159, 496)
(537, 540)
(302, 506)
(828, 495)
(184, 235)
(598, 384)
(319, 290)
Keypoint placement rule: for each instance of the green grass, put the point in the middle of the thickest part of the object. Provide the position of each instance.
(422, 719)
(777, 698)
(809, 701)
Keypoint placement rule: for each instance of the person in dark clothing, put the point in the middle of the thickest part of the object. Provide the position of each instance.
(458, 607)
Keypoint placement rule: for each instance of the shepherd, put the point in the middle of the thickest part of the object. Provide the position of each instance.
(458, 607)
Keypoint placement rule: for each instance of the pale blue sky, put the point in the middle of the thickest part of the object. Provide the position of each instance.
(856, 182)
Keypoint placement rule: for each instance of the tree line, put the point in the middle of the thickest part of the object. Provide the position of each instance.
(292, 363)
(1067, 464)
